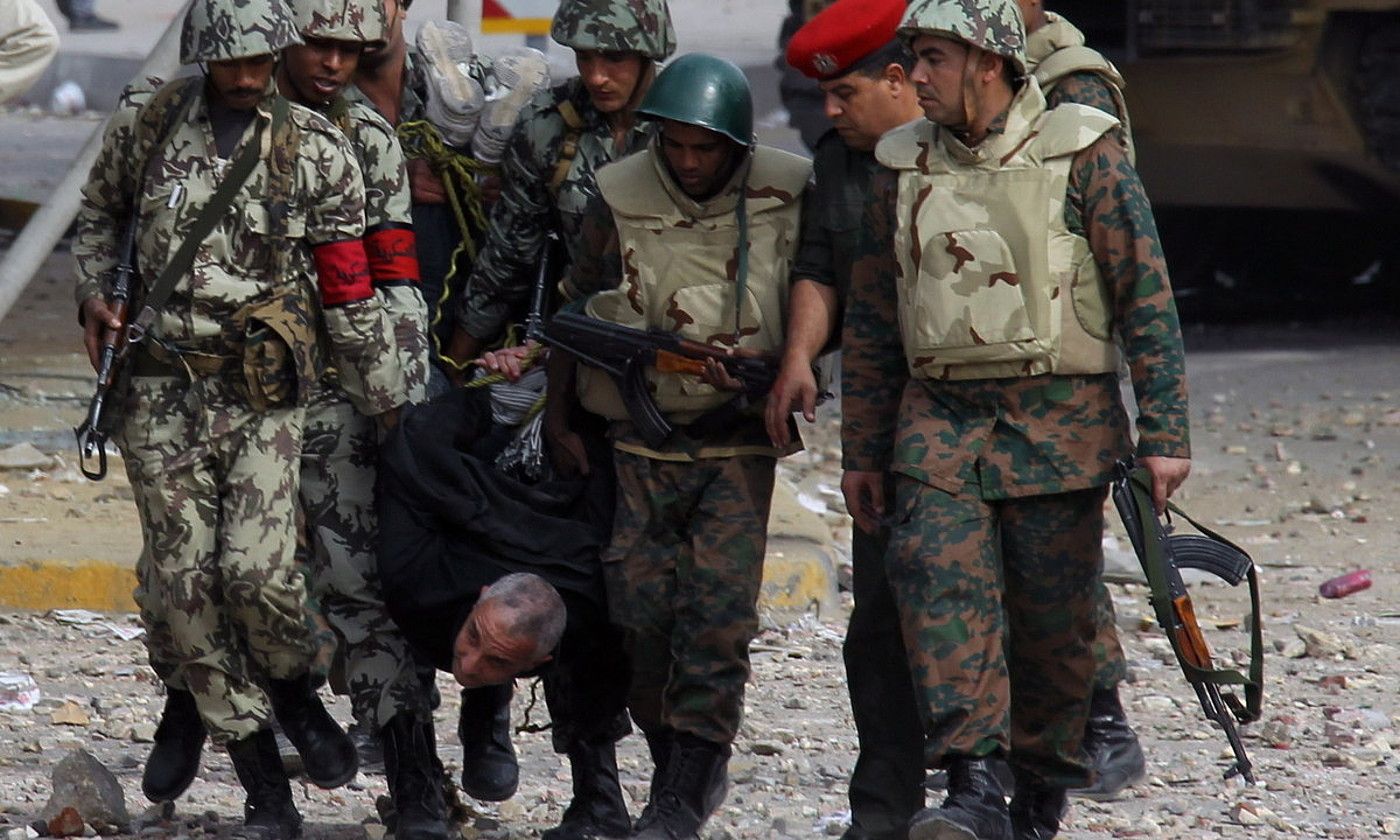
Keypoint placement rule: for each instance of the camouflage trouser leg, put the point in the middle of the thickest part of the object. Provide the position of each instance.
(683, 573)
(970, 576)
(1110, 666)
(887, 784)
(220, 591)
(338, 463)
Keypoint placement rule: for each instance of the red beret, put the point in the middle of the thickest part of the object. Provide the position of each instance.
(839, 36)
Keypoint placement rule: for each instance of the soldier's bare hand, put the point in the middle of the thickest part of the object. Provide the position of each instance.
(97, 318)
(1167, 475)
(508, 361)
(865, 498)
(795, 389)
(566, 451)
(717, 376)
(424, 184)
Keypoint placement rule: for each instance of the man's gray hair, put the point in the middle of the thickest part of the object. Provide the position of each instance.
(537, 612)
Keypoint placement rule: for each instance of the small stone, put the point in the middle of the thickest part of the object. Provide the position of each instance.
(24, 456)
(1246, 813)
(66, 823)
(82, 783)
(375, 831)
(766, 748)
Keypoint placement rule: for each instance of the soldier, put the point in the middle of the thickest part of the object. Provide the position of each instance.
(849, 51)
(340, 444)
(547, 180)
(1009, 252)
(695, 235)
(1068, 71)
(251, 217)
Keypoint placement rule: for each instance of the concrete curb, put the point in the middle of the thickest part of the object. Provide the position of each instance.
(47, 585)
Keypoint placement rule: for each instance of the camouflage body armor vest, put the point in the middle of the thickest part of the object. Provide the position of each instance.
(992, 282)
(1057, 50)
(679, 265)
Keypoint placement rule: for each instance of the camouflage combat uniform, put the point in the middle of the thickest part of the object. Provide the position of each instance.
(1000, 482)
(215, 478)
(534, 197)
(686, 559)
(1080, 75)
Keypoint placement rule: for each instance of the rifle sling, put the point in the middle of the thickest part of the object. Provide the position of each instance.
(1139, 484)
(159, 291)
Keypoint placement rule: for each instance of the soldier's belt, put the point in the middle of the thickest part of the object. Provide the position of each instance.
(159, 360)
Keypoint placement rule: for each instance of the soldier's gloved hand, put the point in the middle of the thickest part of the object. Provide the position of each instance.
(96, 318)
(795, 389)
(566, 450)
(424, 185)
(865, 498)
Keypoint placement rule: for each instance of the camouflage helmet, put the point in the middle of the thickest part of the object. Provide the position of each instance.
(357, 21)
(993, 25)
(638, 26)
(703, 90)
(224, 30)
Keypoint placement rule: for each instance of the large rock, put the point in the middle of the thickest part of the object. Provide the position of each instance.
(799, 571)
(81, 782)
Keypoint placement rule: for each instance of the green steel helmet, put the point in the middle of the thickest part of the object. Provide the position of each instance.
(225, 30)
(703, 90)
(359, 21)
(993, 25)
(638, 26)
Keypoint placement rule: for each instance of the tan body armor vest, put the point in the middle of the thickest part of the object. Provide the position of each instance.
(1057, 50)
(992, 283)
(679, 267)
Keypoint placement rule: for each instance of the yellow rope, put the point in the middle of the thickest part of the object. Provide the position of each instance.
(459, 172)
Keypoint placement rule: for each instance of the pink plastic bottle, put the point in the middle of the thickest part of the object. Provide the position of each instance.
(1343, 585)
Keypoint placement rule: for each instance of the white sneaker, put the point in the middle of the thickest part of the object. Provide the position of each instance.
(516, 76)
(455, 98)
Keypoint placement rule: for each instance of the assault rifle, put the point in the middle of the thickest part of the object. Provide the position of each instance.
(92, 433)
(539, 294)
(625, 353)
(1163, 555)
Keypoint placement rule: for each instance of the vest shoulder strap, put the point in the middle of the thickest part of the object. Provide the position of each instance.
(1075, 59)
(1070, 128)
(568, 146)
(630, 187)
(777, 179)
(902, 147)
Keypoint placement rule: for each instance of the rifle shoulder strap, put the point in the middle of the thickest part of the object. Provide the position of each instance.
(209, 215)
(1140, 486)
(568, 147)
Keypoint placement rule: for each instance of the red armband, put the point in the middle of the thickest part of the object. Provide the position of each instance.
(342, 272)
(393, 254)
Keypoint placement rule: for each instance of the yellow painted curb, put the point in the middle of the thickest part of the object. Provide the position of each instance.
(105, 587)
(799, 577)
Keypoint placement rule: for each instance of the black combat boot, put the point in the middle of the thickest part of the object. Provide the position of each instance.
(269, 805)
(415, 778)
(660, 743)
(598, 809)
(327, 754)
(695, 783)
(974, 809)
(489, 769)
(1114, 752)
(174, 760)
(1037, 808)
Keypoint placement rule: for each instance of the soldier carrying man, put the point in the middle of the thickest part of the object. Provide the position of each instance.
(249, 215)
(1010, 258)
(694, 235)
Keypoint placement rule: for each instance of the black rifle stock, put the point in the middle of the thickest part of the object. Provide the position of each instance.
(92, 433)
(1163, 555)
(624, 353)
